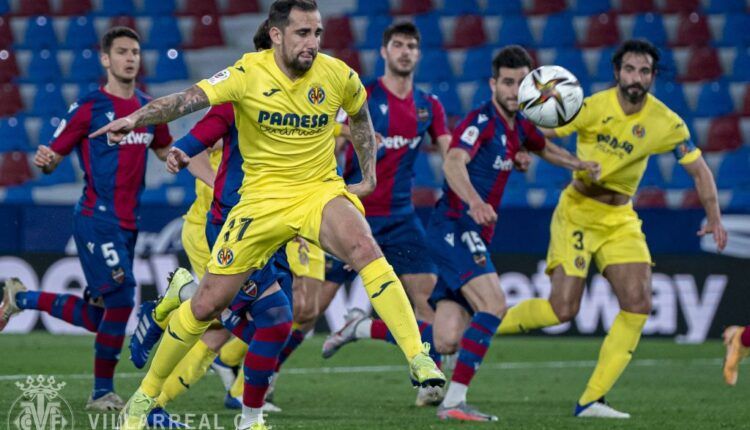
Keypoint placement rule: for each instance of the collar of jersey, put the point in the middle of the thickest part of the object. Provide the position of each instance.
(618, 109)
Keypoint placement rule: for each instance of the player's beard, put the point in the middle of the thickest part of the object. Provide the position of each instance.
(393, 66)
(504, 106)
(633, 98)
(299, 66)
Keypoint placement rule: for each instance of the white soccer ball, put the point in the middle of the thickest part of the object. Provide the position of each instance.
(550, 96)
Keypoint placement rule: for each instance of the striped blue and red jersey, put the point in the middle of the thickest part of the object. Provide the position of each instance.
(218, 123)
(114, 174)
(403, 124)
(492, 144)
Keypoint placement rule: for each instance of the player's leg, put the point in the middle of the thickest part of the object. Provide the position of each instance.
(419, 287)
(737, 342)
(67, 307)
(451, 321)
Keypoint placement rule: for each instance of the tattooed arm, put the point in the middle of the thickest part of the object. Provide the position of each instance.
(363, 139)
(160, 111)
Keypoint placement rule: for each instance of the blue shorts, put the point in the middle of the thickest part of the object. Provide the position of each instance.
(461, 255)
(402, 239)
(106, 252)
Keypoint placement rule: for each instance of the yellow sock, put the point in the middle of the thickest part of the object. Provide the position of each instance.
(190, 369)
(164, 322)
(239, 384)
(181, 334)
(528, 315)
(616, 352)
(389, 299)
(233, 352)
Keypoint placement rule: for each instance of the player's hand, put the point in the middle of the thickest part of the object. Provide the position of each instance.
(176, 160)
(717, 230)
(44, 157)
(522, 161)
(593, 168)
(115, 130)
(482, 213)
(361, 189)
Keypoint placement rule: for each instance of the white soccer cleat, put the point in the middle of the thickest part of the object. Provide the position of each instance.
(599, 409)
(106, 403)
(429, 396)
(9, 307)
(335, 341)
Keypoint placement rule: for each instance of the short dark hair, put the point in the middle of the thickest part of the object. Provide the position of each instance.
(404, 27)
(116, 32)
(638, 46)
(280, 9)
(512, 57)
(262, 40)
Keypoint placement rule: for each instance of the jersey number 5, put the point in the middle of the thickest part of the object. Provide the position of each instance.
(110, 255)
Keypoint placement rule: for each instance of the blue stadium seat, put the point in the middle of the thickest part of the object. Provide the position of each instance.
(154, 196)
(376, 26)
(63, 174)
(726, 6)
(604, 70)
(551, 197)
(572, 59)
(650, 26)
(434, 66)
(735, 30)
(429, 27)
(515, 31)
(85, 67)
(48, 101)
(39, 34)
(477, 64)
(13, 135)
(481, 95)
(20, 194)
(548, 175)
(379, 68)
(558, 32)
(86, 87)
(740, 200)
(741, 65)
(164, 33)
(460, 7)
(370, 8)
(714, 100)
(734, 170)
(667, 66)
(672, 94)
(591, 7)
(652, 177)
(446, 93)
(81, 33)
(43, 67)
(681, 179)
(170, 66)
(159, 7)
(424, 176)
(4, 7)
(504, 8)
(514, 197)
(47, 130)
(117, 8)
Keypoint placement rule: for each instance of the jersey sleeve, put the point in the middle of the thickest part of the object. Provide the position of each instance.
(470, 134)
(354, 94)
(204, 134)
(534, 139)
(439, 126)
(684, 149)
(580, 122)
(227, 85)
(72, 129)
(162, 137)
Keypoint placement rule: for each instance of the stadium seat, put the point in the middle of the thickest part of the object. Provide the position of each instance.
(691, 200)
(741, 65)
(604, 69)
(64, 173)
(8, 66)
(558, 32)
(81, 33)
(735, 32)
(43, 67)
(734, 170)
(87, 87)
(424, 197)
(350, 57)
(724, 134)
(548, 175)
(6, 34)
(376, 26)
(546, 7)
(372, 8)
(13, 135)
(434, 66)
(338, 34)
(236, 7)
(200, 8)
(672, 95)
(572, 59)
(650, 198)
(460, 7)
(47, 130)
(39, 34)
(477, 64)
(424, 176)
(514, 197)
(505, 8)
(413, 7)
(602, 31)
(481, 94)
(48, 101)
(446, 93)
(469, 32)
(515, 31)
(14, 169)
(692, 30)
(714, 100)
(667, 65)
(164, 33)
(726, 6)
(740, 200)
(159, 7)
(4, 7)
(591, 7)
(650, 26)
(85, 67)
(681, 6)
(551, 197)
(34, 8)
(11, 97)
(124, 21)
(429, 28)
(117, 8)
(170, 66)
(636, 6)
(75, 7)
(206, 32)
(652, 177)
(703, 64)
(746, 101)
(680, 179)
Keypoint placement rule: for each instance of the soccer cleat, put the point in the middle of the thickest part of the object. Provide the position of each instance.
(181, 288)
(255, 426)
(9, 307)
(335, 341)
(226, 373)
(599, 409)
(135, 413)
(147, 333)
(429, 396)
(106, 403)
(463, 412)
(158, 418)
(423, 370)
(236, 403)
(736, 351)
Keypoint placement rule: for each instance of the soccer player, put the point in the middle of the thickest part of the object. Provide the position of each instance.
(737, 341)
(284, 99)
(105, 222)
(619, 128)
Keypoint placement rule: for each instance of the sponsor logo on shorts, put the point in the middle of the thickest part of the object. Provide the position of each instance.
(118, 275)
(250, 288)
(316, 95)
(480, 259)
(225, 256)
(580, 263)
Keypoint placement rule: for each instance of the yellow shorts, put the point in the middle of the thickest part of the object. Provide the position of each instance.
(310, 264)
(582, 227)
(196, 246)
(256, 228)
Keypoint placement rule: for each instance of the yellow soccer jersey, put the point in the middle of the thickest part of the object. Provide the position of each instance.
(204, 194)
(285, 127)
(622, 143)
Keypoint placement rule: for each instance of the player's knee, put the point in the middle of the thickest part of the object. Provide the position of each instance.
(565, 310)
(446, 346)
(204, 310)
(364, 250)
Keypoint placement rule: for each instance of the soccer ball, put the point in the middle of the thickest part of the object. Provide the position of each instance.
(550, 96)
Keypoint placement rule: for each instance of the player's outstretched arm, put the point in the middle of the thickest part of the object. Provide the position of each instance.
(706, 188)
(363, 139)
(561, 157)
(457, 176)
(159, 111)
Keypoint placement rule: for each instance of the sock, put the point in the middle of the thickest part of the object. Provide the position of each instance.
(474, 345)
(164, 322)
(376, 329)
(456, 393)
(233, 352)
(746, 337)
(181, 334)
(528, 315)
(364, 330)
(294, 341)
(389, 299)
(273, 323)
(188, 371)
(615, 354)
(67, 307)
(110, 337)
(239, 384)
(250, 416)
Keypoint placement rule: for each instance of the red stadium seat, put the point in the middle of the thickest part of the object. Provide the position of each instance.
(350, 57)
(14, 168)
(602, 31)
(691, 200)
(11, 97)
(200, 8)
(693, 30)
(469, 31)
(338, 34)
(206, 32)
(424, 197)
(746, 102)
(34, 7)
(75, 7)
(6, 34)
(651, 198)
(724, 134)
(236, 7)
(545, 7)
(413, 7)
(8, 66)
(636, 6)
(703, 64)
(681, 6)
(125, 21)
